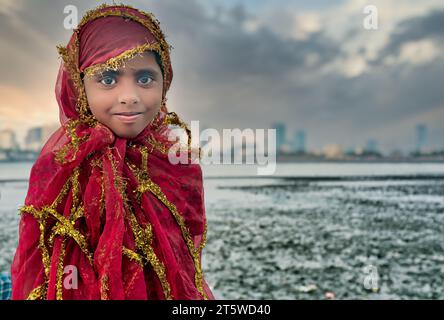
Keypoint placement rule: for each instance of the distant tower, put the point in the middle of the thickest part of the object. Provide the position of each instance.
(280, 135)
(421, 137)
(300, 141)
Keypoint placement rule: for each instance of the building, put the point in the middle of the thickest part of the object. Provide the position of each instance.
(371, 146)
(8, 140)
(333, 151)
(280, 135)
(33, 139)
(421, 137)
(300, 141)
(37, 137)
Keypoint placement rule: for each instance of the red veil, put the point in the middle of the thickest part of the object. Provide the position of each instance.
(113, 214)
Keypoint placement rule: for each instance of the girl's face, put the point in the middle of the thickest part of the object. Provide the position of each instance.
(128, 99)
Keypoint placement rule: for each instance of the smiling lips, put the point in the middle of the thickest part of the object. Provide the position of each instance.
(128, 117)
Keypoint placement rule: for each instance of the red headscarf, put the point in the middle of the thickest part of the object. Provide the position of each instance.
(114, 212)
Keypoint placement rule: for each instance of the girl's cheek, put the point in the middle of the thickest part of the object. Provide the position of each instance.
(153, 100)
(102, 102)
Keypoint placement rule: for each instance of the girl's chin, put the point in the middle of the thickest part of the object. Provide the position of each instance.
(128, 133)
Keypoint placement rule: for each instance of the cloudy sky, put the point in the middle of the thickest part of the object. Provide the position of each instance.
(248, 64)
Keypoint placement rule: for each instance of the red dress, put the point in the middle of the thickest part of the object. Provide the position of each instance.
(107, 217)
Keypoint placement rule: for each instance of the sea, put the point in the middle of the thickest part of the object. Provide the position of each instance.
(324, 230)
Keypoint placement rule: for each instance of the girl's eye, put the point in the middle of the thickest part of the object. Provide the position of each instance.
(145, 80)
(108, 81)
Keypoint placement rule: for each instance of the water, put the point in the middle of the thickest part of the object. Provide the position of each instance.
(15, 170)
(328, 169)
(310, 229)
(21, 170)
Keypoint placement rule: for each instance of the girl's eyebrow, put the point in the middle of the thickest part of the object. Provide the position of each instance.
(116, 73)
(144, 71)
(109, 73)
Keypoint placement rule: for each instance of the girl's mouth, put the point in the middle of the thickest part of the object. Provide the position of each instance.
(128, 117)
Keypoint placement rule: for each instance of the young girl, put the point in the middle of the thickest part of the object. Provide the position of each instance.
(107, 216)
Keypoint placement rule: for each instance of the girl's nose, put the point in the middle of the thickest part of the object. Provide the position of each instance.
(129, 100)
(128, 95)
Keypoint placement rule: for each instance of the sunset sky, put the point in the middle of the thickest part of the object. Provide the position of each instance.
(248, 64)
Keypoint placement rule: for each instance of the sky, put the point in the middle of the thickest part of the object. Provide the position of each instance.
(248, 64)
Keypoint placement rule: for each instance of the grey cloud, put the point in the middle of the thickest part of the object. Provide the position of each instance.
(430, 26)
(228, 77)
(233, 78)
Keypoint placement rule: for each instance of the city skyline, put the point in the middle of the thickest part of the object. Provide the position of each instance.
(316, 67)
(38, 135)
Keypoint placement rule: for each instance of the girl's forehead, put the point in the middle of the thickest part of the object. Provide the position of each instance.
(146, 58)
(143, 62)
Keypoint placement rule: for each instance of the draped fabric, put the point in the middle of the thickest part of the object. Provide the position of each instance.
(107, 217)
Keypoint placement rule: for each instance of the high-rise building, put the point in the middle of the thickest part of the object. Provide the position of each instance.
(421, 137)
(300, 141)
(280, 135)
